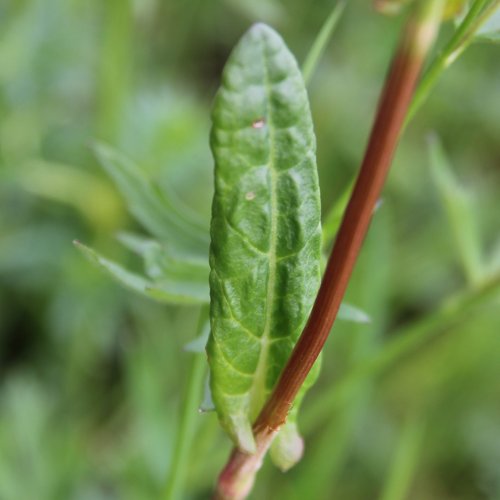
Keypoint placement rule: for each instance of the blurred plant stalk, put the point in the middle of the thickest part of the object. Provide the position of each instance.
(479, 12)
(187, 419)
(407, 340)
(237, 478)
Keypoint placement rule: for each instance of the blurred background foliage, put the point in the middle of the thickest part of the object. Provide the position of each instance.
(92, 376)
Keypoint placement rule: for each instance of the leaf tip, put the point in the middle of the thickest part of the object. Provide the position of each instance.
(264, 32)
(352, 313)
(80, 246)
(86, 251)
(261, 29)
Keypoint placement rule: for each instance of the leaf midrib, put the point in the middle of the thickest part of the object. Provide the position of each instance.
(258, 391)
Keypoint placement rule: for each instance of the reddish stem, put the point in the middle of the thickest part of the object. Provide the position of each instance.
(237, 477)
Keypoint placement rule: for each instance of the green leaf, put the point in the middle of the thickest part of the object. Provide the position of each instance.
(494, 259)
(287, 447)
(333, 218)
(188, 422)
(151, 207)
(163, 265)
(490, 30)
(408, 450)
(459, 209)
(163, 291)
(192, 276)
(199, 343)
(319, 45)
(348, 312)
(265, 230)
(207, 403)
(335, 214)
(485, 23)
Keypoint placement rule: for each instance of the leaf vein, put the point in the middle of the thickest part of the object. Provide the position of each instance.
(244, 238)
(228, 361)
(231, 311)
(259, 386)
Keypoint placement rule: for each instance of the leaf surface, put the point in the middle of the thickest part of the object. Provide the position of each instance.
(265, 228)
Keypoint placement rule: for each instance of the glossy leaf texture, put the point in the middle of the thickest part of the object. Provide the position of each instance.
(265, 232)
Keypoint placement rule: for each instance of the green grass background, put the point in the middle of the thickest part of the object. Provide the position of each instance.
(92, 376)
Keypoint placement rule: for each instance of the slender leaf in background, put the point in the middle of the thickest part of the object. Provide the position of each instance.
(199, 343)
(271, 11)
(187, 418)
(165, 290)
(352, 313)
(333, 218)
(207, 403)
(493, 264)
(265, 232)
(398, 482)
(459, 211)
(163, 264)
(475, 18)
(406, 340)
(490, 30)
(321, 40)
(93, 197)
(172, 279)
(160, 264)
(151, 207)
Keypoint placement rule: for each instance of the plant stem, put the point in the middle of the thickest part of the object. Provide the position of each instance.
(187, 421)
(236, 480)
(392, 109)
(406, 341)
(115, 67)
(461, 38)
